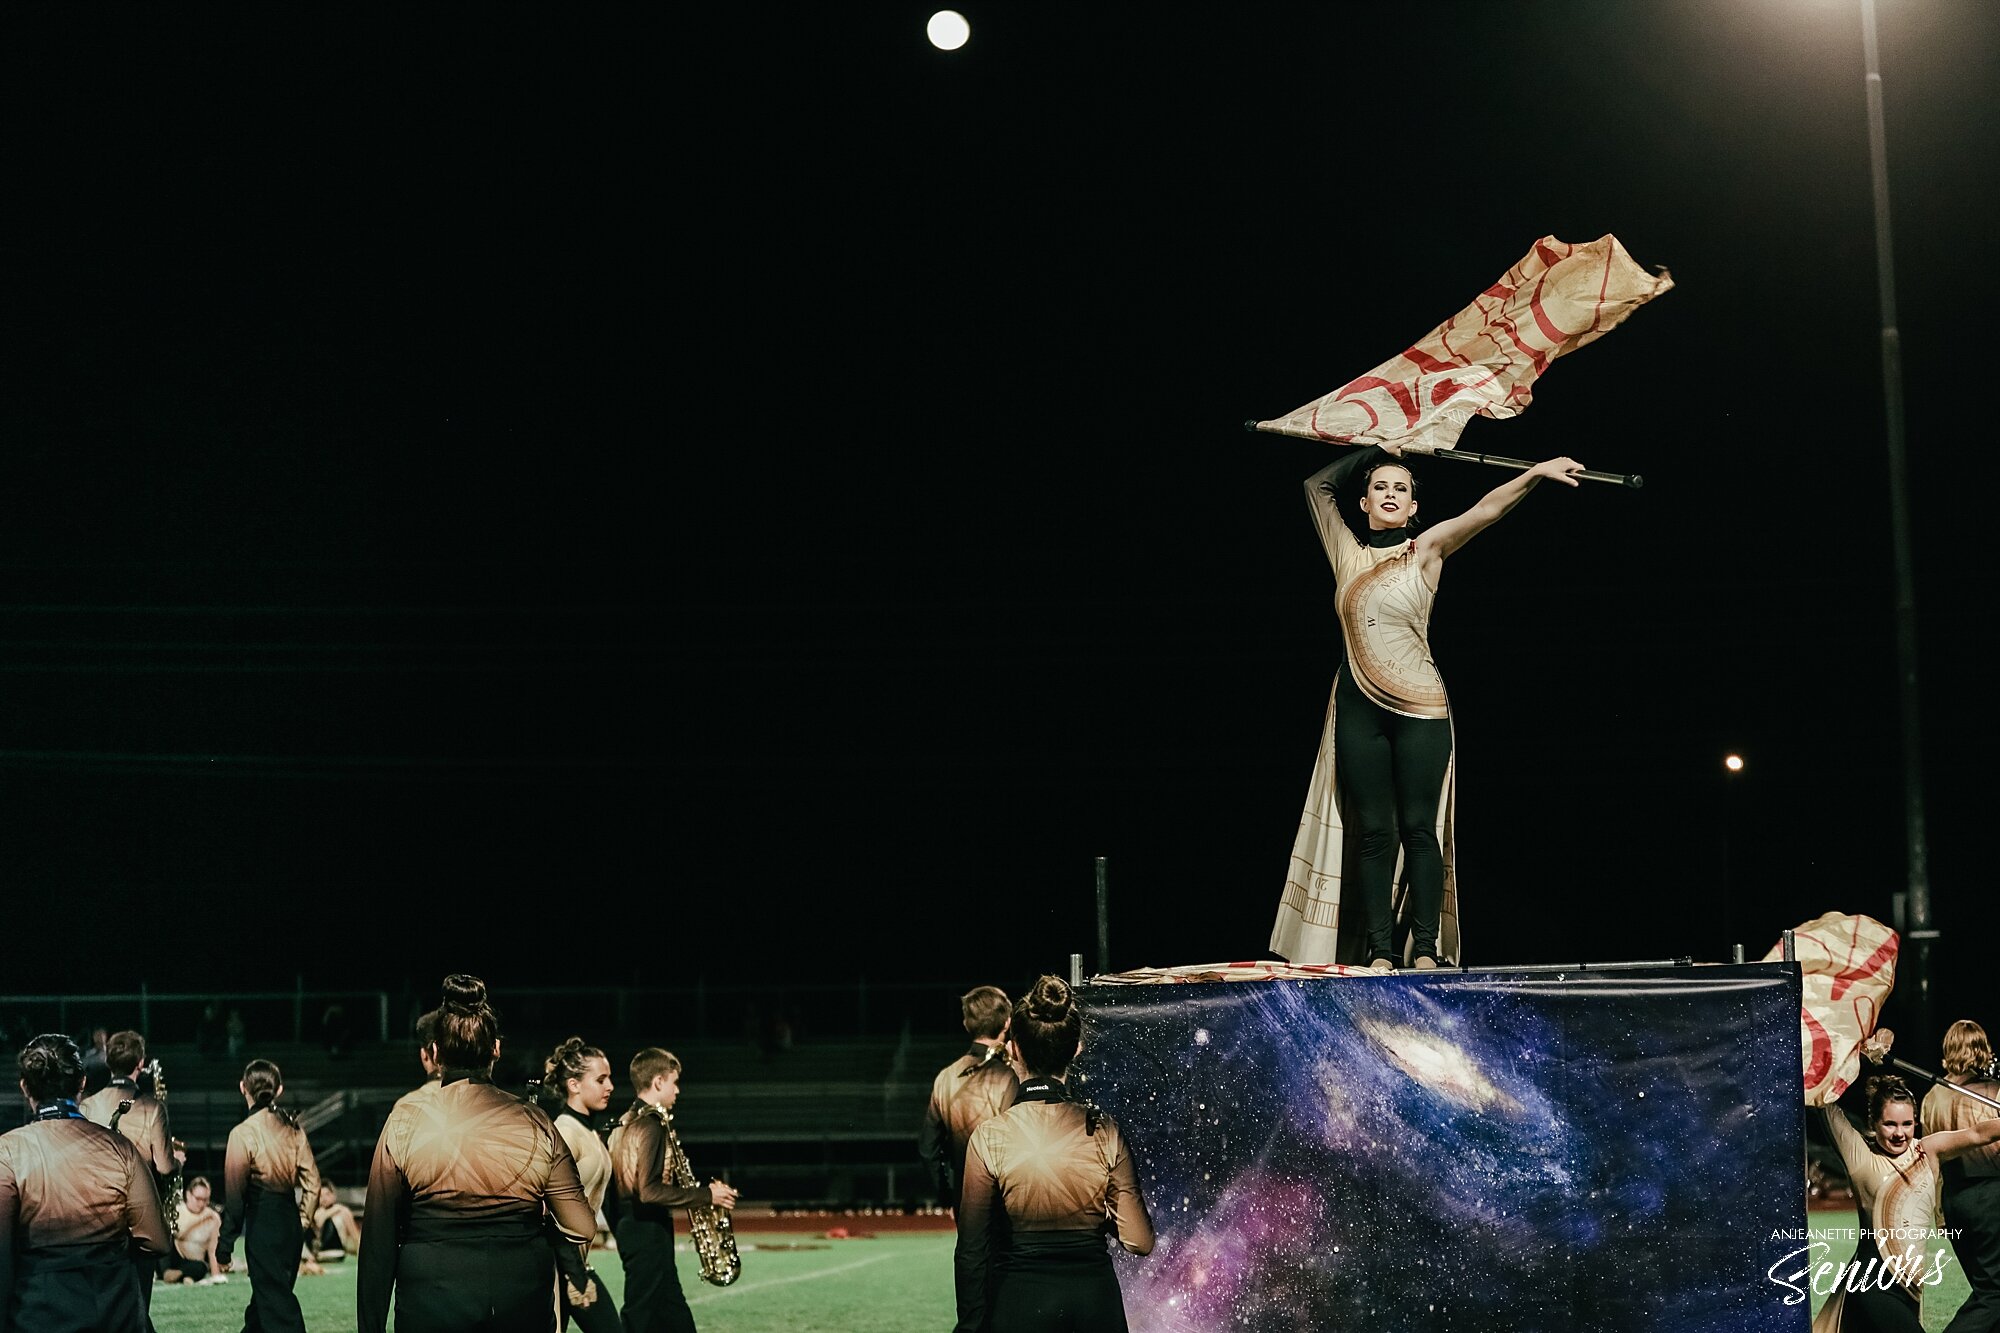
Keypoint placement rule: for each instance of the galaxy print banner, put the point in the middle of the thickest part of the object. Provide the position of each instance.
(1612, 1150)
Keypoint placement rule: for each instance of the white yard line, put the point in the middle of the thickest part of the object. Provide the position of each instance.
(737, 1289)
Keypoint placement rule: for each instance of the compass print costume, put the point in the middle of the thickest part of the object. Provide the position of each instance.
(1374, 848)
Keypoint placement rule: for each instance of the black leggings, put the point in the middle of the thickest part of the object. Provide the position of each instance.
(272, 1239)
(1391, 773)
(1874, 1310)
(1975, 1210)
(654, 1302)
(1058, 1288)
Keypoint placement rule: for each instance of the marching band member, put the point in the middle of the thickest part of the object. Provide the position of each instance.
(1972, 1183)
(461, 1182)
(970, 1090)
(140, 1117)
(1046, 1181)
(74, 1199)
(196, 1231)
(270, 1185)
(654, 1302)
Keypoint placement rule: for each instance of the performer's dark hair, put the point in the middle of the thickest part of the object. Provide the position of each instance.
(1966, 1049)
(125, 1052)
(1883, 1089)
(51, 1067)
(986, 1010)
(426, 1029)
(571, 1060)
(1048, 1028)
(467, 1027)
(650, 1064)
(262, 1081)
(197, 1182)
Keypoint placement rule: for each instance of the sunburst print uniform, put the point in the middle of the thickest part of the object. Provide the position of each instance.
(144, 1122)
(462, 1181)
(1897, 1195)
(74, 1197)
(271, 1184)
(965, 1094)
(1971, 1203)
(646, 1200)
(1390, 790)
(1047, 1182)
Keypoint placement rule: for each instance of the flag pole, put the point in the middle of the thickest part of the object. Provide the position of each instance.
(1631, 481)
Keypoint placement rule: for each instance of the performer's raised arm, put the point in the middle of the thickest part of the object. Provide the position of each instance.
(1446, 537)
(1949, 1143)
(1323, 489)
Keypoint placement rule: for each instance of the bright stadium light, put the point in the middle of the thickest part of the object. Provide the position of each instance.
(948, 30)
(1734, 763)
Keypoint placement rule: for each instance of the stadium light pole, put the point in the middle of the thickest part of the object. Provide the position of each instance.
(1921, 932)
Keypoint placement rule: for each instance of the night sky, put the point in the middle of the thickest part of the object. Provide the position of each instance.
(468, 471)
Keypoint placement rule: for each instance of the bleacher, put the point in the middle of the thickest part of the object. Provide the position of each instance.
(824, 1123)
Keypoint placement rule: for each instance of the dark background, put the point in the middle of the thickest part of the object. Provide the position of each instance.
(580, 497)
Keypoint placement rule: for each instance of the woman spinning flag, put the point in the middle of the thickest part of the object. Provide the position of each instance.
(1389, 777)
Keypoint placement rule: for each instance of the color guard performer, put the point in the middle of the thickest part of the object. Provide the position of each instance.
(270, 1184)
(970, 1090)
(1046, 1183)
(654, 1302)
(1388, 781)
(580, 1076)
(1895, 1179)
(462, 1180)
(74, 1199)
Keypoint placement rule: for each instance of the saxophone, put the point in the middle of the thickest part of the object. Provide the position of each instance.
(171, 1205)
(708, 1226)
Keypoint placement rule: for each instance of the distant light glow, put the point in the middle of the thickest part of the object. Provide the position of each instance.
(1734, 763)
(948, 30)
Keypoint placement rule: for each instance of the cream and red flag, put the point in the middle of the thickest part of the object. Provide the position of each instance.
(1484, 360)
(1849, 967)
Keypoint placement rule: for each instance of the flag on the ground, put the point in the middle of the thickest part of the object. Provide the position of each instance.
(1849, 967)
(1485, 359)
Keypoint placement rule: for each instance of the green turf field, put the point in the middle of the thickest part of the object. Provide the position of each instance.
(1837, 1230)
(894, 1283)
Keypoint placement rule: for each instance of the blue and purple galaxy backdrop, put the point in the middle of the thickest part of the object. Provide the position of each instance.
(1613, 1150)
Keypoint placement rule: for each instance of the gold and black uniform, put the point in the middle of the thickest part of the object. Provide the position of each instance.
(74, 1197)
(966, 1094)
(593, 1168)
(1971, 1203)
(645, 1204)
(1046, 1183)
(270, 1188)
(462, 1181)
(144, 1121)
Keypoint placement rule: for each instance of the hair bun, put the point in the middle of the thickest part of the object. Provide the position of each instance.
(1050, 1001)
(464, 994)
